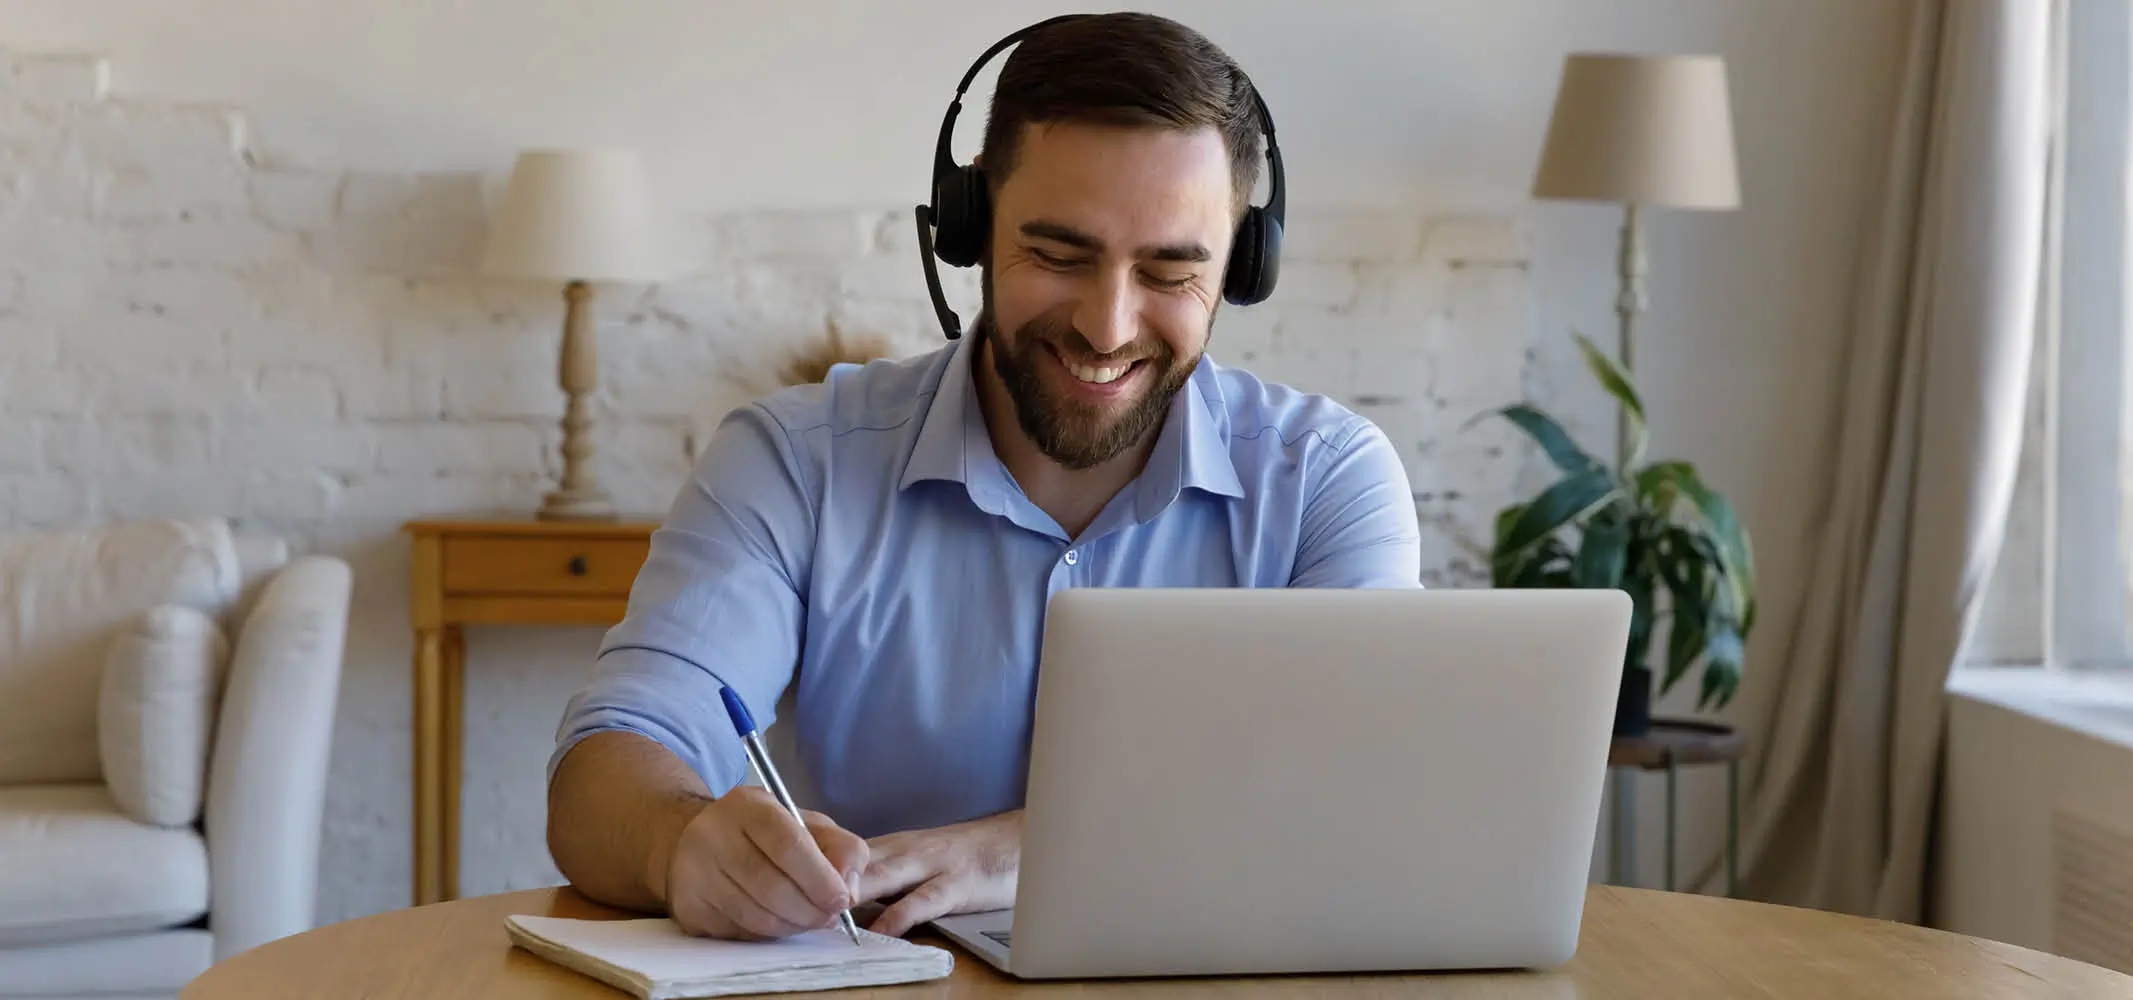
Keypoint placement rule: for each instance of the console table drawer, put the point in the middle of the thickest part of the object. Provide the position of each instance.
(506, 565)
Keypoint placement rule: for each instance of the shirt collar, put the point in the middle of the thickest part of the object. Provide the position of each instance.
(1191, 451)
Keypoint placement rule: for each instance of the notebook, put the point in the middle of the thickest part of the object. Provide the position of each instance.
(655, 960)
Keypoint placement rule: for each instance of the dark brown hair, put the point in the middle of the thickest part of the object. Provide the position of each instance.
(1124, 69)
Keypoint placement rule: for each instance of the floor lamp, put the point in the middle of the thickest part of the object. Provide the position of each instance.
(576, 216)
(1640, 131)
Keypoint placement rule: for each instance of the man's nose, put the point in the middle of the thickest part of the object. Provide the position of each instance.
(1106, 316)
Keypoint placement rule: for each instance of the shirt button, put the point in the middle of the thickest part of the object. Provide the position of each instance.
(1072, 557)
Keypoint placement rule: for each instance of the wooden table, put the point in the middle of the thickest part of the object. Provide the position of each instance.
(495, 572)
(1635, 943)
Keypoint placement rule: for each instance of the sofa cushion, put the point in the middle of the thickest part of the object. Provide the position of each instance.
(62, 596)
(155, 963)
(78, 868)
(156, 713)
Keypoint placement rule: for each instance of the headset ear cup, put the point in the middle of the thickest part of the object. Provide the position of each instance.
(964, 217)
(1254, 259)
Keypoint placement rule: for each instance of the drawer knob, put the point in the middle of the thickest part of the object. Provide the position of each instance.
(577, 566)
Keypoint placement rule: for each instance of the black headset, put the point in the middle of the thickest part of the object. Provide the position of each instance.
(955, 225)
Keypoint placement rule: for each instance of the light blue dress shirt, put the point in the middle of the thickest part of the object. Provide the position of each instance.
(860, 541)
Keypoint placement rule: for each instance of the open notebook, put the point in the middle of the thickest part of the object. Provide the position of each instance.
(654, 959)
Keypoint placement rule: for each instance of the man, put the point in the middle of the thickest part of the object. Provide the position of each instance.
(883, 544)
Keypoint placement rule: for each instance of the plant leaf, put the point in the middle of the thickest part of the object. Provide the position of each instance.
(1619, 385)
(1732, 543)
(1685, 639)
(1570, 499)
(1601, 554)
(1721, 666)
(1551, 436)
(1659, 484)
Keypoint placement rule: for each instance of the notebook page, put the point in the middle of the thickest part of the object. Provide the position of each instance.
(658, 951)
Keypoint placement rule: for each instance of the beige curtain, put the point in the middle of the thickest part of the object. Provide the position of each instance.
(1841, 773)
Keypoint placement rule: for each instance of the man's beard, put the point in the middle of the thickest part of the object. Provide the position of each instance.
(1074, 434)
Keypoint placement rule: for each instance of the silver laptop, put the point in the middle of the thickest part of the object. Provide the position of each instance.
(1228, 782)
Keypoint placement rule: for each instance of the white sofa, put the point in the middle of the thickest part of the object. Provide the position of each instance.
(228, 767)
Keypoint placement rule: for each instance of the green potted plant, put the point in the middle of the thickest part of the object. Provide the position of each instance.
(1654, 531)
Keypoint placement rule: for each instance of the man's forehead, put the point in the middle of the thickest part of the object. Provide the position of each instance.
(1091, 175)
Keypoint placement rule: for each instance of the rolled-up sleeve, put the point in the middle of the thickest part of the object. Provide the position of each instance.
(717, 602)
(1359, 527)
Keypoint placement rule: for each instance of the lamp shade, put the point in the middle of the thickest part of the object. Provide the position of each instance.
(1652, 130)
(575, 215)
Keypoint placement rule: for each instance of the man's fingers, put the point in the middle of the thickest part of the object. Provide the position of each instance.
(743, 909)
(893, 866)
(798, 862)
(936, 898)
(765, 881)
(847, 853)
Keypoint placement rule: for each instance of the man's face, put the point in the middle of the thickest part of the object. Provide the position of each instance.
(1108, 245)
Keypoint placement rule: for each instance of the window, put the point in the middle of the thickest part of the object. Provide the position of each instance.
(2062, 594)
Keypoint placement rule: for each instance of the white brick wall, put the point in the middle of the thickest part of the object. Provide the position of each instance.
(309, 353)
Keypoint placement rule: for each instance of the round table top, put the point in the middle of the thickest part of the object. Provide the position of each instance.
(1677, 741)
(1633, 943)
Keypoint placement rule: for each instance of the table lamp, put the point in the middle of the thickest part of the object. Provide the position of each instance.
(575, 216)
(1641, 131)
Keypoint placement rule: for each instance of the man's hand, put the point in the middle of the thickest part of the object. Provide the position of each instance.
(742, 869)
(965, 868)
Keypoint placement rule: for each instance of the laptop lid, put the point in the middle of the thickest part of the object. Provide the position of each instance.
(1265, 781)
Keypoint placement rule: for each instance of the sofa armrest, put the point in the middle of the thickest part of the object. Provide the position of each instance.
(273, 737)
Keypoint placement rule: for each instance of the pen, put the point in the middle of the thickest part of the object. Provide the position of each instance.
(759, 758)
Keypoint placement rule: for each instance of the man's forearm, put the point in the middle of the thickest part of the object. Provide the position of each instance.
(618, 803)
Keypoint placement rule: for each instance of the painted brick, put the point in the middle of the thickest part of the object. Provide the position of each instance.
(1348, 234)
(509, 393)
(121, 444)
(1313, 283)
(154, 192)
(136, 337)
(285, 496)
(797, 234)
(294, 200)
(300, 395)
(174, 492)
(21, 445)
(400, 393)
(389, 498)
(52, 500)
(60, 78)
(460, 449)
(252, 445)
(1476, 242)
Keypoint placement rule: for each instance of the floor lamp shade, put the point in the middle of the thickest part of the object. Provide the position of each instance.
(1645, 130)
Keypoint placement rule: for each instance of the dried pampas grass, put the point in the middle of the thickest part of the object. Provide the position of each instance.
(812, 362)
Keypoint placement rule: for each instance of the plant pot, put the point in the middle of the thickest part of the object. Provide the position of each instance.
(1633, 704)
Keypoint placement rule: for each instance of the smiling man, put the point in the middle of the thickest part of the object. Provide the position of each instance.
(882, 546)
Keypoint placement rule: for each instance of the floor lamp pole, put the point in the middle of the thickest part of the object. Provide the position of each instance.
(1628, 304)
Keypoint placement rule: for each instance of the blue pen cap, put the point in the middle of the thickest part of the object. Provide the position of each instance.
(743, 723)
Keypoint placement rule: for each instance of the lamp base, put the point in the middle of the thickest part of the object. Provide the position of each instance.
(577, 505)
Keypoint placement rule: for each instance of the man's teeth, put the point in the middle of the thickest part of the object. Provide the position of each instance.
(1097, 376)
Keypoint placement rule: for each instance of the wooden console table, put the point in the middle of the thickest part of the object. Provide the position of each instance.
(494, 572)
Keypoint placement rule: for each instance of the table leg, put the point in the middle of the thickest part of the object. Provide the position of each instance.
(1732, 828)
(1673, 775)
(454, 710)
(429, 696)
(1623, 869)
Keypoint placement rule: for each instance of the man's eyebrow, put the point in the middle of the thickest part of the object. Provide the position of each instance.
(1056, 232)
